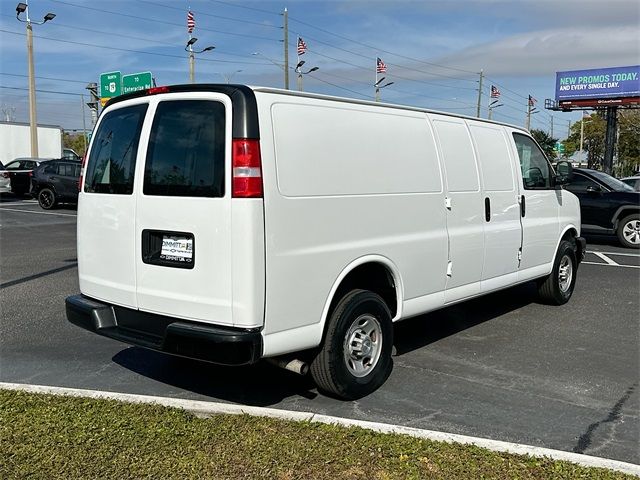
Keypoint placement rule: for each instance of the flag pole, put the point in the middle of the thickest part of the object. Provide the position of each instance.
(375, 85)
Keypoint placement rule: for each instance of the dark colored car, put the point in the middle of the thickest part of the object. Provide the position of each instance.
(56, 181)
(607, 205)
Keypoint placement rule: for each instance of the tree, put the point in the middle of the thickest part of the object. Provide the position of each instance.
(74, 141)
(546, 141)
(593, 141)
(628, 144)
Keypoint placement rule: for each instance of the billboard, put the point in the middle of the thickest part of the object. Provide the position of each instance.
(601, 83)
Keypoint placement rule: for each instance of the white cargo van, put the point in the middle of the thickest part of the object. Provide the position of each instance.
(229, 224)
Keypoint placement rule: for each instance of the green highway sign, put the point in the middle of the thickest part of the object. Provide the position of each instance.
(136, 81)
(110, 86)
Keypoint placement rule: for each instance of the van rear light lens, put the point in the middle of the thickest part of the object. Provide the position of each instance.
(247, 168)
(84, 161)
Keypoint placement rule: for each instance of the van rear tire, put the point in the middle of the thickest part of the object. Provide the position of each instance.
(557, 288)
(355, 357)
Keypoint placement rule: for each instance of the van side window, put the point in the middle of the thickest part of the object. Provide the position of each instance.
(186, 150)
(112, 159)
(536, 171)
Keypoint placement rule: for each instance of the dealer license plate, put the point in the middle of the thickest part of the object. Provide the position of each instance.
(177, 249)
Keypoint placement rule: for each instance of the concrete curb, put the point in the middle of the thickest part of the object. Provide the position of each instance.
(202, 408)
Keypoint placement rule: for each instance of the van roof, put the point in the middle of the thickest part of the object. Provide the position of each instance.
(243, 94)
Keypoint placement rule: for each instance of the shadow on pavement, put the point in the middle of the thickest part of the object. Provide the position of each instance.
(420, 331)
(258, 385)
(265, 385)
(610, 240)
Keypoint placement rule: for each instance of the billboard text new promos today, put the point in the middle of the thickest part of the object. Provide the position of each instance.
(616, 82)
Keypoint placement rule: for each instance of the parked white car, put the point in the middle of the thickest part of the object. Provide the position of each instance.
(5, 180)
(230, 224)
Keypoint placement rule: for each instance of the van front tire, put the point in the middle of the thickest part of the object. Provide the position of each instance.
(355, 358)
(557, 288)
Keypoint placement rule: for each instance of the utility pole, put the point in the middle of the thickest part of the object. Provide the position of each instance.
(479, 94)
(610, 139)
(551, 126)
(529, 109)
(84, 125)
(286, 49)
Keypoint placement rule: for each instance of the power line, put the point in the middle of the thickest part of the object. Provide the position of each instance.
(245, 7)
(147, 19)
(384, 51)
(43, 78)
(136, 51)
(211, 15)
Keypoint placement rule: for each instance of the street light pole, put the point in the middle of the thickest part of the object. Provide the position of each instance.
(192, 57)
(33, 121)
(300, 73)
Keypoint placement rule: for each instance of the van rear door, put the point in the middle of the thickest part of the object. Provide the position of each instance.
(154, 219)
(107, 207)
(183, 212)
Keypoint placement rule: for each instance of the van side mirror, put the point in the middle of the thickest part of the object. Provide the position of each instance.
(564, 173)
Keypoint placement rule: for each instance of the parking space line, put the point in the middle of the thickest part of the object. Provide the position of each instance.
(41, 213)
(602, 256)
(610, 265)
(617, 253)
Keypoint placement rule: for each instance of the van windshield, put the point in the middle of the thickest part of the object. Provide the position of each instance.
(186, 150)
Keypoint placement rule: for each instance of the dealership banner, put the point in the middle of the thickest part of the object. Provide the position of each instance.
(616, 82)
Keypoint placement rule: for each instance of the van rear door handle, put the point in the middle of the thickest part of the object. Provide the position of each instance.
(523, 206)
(487, 209)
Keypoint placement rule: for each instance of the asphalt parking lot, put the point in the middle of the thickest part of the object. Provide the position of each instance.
(500, 367)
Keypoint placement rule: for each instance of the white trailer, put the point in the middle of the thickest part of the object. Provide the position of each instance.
(15, 141)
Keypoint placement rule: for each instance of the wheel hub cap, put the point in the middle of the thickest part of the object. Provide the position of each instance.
(363, 345)
(565, 273)
(631, 232)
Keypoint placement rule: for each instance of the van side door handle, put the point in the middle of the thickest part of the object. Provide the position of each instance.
(487, 209)
(523, 206)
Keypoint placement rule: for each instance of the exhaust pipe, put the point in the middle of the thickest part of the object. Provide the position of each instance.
(295, 366)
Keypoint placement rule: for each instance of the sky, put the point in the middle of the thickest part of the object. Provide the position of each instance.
(434, 50)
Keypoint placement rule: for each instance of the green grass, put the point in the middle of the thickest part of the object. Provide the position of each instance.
(45, 436)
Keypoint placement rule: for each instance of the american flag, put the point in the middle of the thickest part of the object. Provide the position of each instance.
(302, 47)
(191, 22)
(381, 67)
(532, 101)
(495, 93)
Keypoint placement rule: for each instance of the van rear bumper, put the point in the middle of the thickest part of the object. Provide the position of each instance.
(221, 345)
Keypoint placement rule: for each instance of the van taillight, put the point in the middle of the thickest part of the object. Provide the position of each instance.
(247, 168)
(84, 161)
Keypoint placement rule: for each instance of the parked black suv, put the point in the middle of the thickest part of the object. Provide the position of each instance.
(607, 205)
(56, 181)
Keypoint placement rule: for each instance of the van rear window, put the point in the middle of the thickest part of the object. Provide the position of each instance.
(186, 150)
(112, 160)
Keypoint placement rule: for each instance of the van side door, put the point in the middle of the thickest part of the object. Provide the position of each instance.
(539, 207)
(502, 228)
(464, 207)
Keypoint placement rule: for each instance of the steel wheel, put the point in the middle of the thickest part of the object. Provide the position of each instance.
(565, 273)
(362, 345)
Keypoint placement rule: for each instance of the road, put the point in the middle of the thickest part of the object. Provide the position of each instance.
(500, 367)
